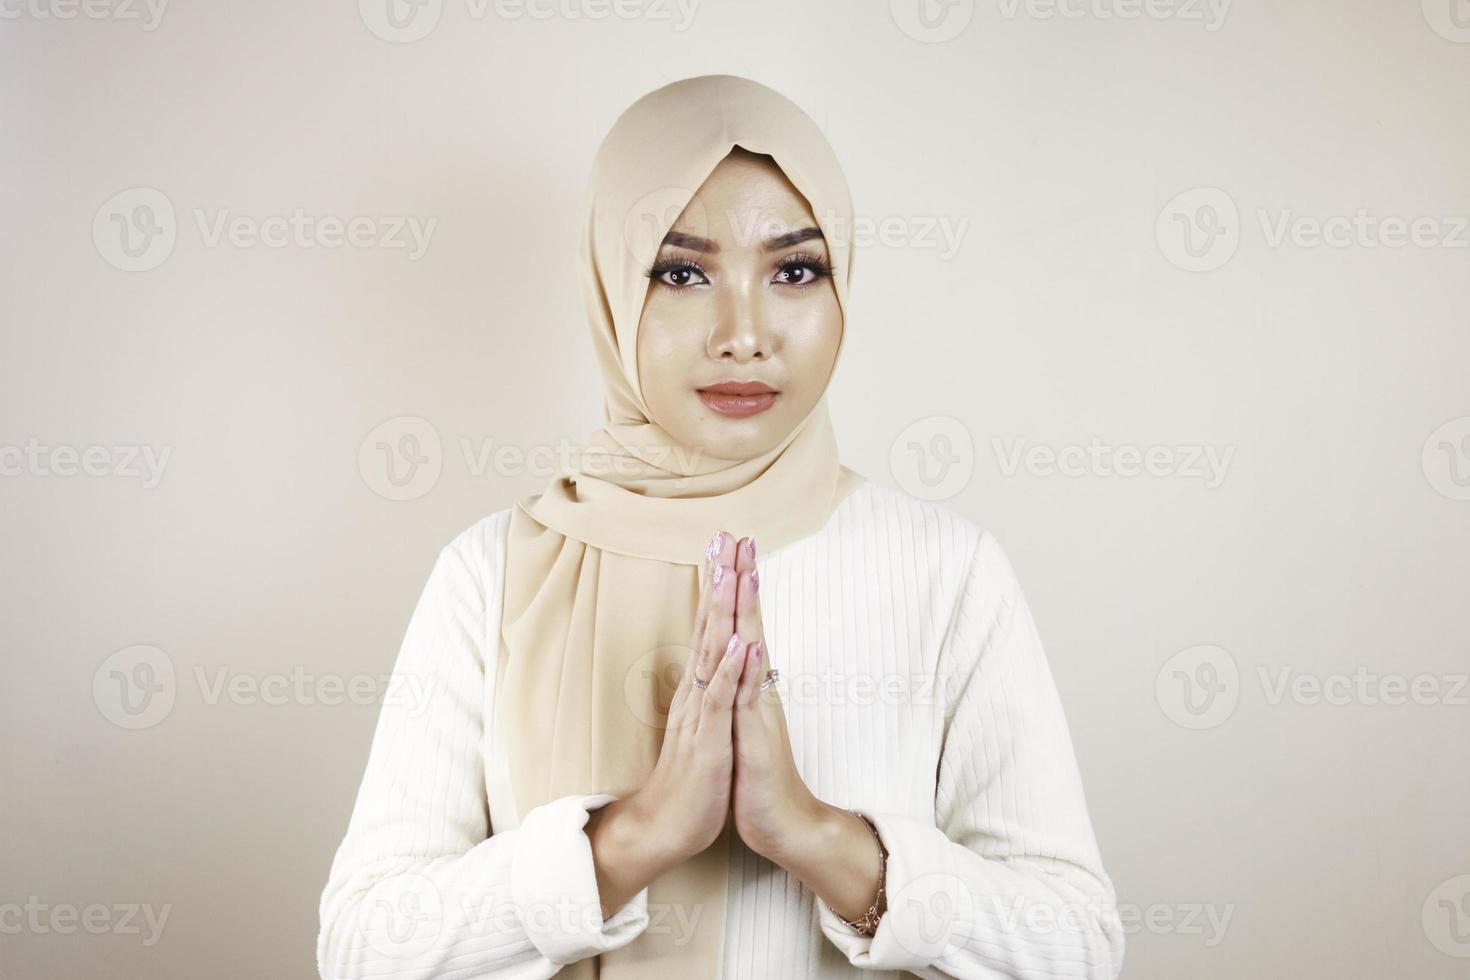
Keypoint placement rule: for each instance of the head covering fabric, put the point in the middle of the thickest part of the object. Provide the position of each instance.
(603, 567)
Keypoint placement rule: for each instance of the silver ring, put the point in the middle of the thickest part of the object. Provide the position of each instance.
(699, 683)
(771, 676)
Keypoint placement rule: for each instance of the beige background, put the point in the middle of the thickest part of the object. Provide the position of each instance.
(1251, 832)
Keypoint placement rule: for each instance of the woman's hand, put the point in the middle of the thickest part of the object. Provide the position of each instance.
(773, 807)
(728, 745)
(685, 803)
(688, 794)
(827, 848)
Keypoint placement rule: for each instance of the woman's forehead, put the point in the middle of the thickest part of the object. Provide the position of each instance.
(753, 206)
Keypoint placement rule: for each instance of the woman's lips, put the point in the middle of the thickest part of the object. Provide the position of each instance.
(738, 406)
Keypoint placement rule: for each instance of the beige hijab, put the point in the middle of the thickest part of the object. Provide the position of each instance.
(603, 567)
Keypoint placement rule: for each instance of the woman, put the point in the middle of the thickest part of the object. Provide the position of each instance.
(712, 705)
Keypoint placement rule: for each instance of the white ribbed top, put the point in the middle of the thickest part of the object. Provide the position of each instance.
(916, 690)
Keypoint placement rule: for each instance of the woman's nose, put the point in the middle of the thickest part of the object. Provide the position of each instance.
(743, 332)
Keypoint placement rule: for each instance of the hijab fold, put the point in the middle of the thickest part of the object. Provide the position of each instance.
(603, 567)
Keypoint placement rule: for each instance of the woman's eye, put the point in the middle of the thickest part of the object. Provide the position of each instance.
(682, 276)
(685, 275)
(797, 275)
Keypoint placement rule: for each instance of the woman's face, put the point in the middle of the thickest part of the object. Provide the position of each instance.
(740, 292)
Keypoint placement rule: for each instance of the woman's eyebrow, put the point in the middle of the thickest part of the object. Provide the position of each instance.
(696, 243)
(791, 238)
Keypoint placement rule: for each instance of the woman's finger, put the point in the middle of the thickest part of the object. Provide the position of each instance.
(748, 617)
(745, 554)
(721, 551)
(711, 552)
(719, 626)
(719, 546)
(701, 615)
(748, 606)
(752, 675)
(719, 698)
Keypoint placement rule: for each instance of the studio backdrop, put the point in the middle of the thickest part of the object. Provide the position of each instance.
(1172, 298)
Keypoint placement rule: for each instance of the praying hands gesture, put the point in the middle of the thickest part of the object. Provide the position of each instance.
(726, 749)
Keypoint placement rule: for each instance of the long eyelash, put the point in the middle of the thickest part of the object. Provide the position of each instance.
(820, 267)
(659, 269)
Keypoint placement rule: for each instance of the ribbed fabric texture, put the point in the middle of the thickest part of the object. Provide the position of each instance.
(917, 691)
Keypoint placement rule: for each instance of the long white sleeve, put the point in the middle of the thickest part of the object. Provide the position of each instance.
(419, 887)
(1007, 881)
(993, 869)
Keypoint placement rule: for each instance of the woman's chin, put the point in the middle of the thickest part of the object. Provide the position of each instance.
(737, 439)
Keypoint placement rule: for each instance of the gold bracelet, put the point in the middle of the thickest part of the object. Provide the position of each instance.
(867, 923)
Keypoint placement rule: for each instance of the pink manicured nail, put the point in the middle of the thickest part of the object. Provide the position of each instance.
(755, 581)
(733, 645)
(716, 545)
(757, 649)
(750, 547)
(719, 573)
